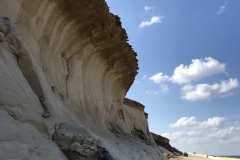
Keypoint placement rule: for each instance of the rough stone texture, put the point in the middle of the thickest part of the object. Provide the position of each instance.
(164, 144)
(84, 147)
(65, 68)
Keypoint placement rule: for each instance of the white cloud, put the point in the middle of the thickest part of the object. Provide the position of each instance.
(220, 134)
(147, 8)
(184, 121)
(154, 19)
(194, 133)
(223, 133)
(159, 77)
(221, 9)
(174, 135)
(206, 91)
(197, 70)
(164, 88)
(213, 122)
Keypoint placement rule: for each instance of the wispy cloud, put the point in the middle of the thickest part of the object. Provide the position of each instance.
(150, 92)
(163, 89)
(206, 91)
(147, 8)
(159, 77)
(222, 9)
(136, 82)
(154, 19)
(144, 77)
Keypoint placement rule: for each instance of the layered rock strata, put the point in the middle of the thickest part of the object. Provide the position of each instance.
(65, 68)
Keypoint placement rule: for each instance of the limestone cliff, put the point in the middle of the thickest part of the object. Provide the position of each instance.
(65, 68)
(164, 142)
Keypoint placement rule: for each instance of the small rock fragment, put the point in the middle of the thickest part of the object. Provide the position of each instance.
(74, 146)
(88, 141)
(45, 115)
(93, 148)
(63, 137)
(90, 153)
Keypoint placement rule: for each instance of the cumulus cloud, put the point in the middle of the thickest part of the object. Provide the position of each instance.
(221, 9)
(184, 121)
(159, 77)
(197, 69)
(223, 133)
(206, 91)
(191, 121)
(213, 122)
(194, 133)
(220, 133)
(175, 135)
(147, 8)
(154, 19)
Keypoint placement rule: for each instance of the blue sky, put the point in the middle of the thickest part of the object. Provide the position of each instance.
(189, 61)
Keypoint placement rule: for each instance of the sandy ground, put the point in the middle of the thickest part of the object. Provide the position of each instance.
(190, 157)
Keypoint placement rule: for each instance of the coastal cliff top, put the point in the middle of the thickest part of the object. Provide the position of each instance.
(134, 104)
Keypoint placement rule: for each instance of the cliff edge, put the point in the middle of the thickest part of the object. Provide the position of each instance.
(65, 68)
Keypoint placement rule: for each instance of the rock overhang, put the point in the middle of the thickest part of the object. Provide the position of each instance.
(105, 33)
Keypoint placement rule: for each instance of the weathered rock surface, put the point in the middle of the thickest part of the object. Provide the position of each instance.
(164, 144)
(65, 68)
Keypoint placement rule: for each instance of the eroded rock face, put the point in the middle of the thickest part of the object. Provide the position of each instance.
(76, 143)
(82, 51)
(164, 143)
(65, 68)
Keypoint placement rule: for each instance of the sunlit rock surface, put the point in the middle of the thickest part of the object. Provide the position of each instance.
(65, 68)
